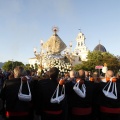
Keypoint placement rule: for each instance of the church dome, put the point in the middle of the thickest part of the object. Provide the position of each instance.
(100, 48)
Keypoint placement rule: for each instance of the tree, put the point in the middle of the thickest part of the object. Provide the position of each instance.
(10, 65)
(94, 58)
(112, 61)
(97, 58)
(27, 67)
(36, 66)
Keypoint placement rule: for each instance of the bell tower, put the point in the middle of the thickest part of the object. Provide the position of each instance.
(81, 49)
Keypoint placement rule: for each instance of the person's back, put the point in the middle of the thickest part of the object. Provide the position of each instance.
(80, 106)
(109, 98)
(16, 109)
(46, 88)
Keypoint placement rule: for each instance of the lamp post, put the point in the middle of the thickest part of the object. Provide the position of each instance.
(39, 56)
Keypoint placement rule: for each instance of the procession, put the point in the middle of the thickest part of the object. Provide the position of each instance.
(56, 91)
(74, 96)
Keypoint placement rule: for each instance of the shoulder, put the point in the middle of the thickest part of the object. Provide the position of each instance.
(43, 82)
(88, 83)
(13, 81)
(69, 86)
(70, 83)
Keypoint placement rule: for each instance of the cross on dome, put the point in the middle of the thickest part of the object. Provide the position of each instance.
(55, 30)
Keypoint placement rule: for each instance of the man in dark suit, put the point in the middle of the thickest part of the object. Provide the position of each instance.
(109, 100)
(80, 106)
(48, 109)
(14, 108)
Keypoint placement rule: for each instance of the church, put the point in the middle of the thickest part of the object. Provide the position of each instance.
(76, 56)
(80, 52)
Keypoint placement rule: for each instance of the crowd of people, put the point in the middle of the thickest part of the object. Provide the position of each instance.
(77, 95)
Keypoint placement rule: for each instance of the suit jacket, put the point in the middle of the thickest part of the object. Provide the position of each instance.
(109, 103)
(45, 89)
(75, 101)
(9, 95)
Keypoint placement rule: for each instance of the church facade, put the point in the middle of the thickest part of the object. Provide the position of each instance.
(80, 50)
(78, 55)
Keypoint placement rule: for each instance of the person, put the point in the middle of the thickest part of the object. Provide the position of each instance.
(104, 69)
(87, 75)
(80, 104)
(109, 98)
(2, 78)
(46, 107)
(11, 76)
(13, 107)
(73, 75)
(118, 76)
(96, 77)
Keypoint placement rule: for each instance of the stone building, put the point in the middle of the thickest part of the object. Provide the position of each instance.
(76, 56)
(80, 52)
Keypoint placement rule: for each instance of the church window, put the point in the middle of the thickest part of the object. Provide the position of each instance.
(81, 43)
(79, 59)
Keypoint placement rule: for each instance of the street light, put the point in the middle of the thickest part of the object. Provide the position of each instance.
(39, 57)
